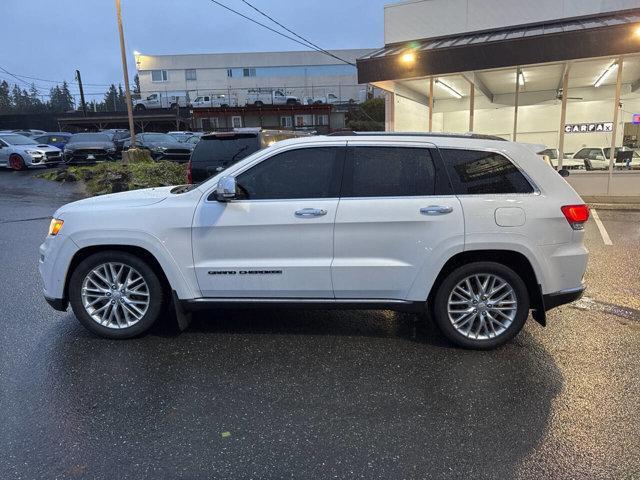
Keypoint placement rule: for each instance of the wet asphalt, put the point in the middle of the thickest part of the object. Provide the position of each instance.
(270, 394)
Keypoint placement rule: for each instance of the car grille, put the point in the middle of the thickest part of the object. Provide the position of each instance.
(83, 155)
(177, 154)
(53, 157)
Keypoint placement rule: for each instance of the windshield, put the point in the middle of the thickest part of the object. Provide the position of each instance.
(15, 139)
(89, 137)
(223, 151)
(158, 137)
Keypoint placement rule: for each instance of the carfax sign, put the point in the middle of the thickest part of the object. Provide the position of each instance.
(636, 118)
(596, 127)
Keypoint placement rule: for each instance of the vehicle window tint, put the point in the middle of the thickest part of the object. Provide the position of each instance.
(476, 172)
(389, 172)
(302, 173)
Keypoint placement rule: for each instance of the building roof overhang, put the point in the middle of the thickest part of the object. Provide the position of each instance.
(610, 34)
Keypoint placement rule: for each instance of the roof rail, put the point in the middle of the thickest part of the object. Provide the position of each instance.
(478, 136)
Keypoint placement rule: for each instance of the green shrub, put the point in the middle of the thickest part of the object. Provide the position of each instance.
(111, 177)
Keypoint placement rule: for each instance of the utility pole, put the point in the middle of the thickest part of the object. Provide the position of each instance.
(82, 102)
(125, 71)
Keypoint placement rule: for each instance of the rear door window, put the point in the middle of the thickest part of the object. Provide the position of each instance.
(389, 172)
(480, 172)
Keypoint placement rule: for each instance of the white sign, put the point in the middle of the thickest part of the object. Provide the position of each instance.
(596, 127)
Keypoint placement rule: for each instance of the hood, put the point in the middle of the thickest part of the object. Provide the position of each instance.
(131, 199)
(41, 147)
(76, 145)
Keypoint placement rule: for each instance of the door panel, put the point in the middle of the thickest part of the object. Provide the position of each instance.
(381, 244)
(262, 249)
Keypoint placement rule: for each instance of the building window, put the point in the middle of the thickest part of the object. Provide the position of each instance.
(158, 75)
(248, 72)
(236, 122)
(229, 72)
(190, 74)
(286, 122)
(322, 120)
(304, 120)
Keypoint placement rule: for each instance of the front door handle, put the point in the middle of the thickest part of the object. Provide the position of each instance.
(436, 210)
(310, 212)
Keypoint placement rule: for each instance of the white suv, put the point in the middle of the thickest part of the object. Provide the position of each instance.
(472, 229)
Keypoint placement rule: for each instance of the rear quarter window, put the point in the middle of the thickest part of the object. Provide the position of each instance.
(474, 172)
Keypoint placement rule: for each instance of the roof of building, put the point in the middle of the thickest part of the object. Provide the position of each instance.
(612, 33)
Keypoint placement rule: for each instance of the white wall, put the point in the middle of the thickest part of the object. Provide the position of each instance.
(416, 19)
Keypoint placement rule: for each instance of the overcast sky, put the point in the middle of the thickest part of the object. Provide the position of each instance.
(49, 39)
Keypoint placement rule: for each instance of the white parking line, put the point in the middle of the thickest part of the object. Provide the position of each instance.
(603, 231)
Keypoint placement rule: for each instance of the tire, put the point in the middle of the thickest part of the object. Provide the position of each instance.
(258, 104)
(16, 162)
(174, 106)
(291, 102)
(140, 107)
(132, 323)
(498, 328)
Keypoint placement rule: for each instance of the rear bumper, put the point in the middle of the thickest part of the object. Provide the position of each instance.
(552, 300)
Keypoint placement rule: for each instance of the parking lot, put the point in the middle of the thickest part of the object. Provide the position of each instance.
(315, 394)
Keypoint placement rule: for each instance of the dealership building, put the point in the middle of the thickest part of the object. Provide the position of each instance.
(563, 73)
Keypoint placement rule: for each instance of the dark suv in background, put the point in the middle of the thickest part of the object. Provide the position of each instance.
(215, 152)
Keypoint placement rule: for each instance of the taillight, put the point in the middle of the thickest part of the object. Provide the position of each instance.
(189, 174)
(576, 215)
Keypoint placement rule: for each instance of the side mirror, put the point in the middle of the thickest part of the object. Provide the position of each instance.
(226, 189)
(564, 172)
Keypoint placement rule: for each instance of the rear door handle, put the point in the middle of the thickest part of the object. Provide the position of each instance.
(310, 212)
(436, 210)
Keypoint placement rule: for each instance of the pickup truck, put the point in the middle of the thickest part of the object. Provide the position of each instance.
(205, 101)
(159, 100)
(330, 98)
(259, 97)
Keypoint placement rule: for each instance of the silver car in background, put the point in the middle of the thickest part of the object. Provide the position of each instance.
(19, 152)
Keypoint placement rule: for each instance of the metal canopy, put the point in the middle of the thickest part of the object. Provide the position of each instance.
(559, 40)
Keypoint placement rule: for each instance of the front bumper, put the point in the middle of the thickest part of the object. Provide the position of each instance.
(553, 300)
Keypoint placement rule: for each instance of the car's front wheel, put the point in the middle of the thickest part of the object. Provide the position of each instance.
(481, 305)
(115, 294)
(16, 162)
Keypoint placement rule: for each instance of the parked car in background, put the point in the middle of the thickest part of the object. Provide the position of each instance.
(266, 96)
(596, 158)
(218, 151)
(162, 146)
(212, 101)
(19, 152)
(568, 161)
(88, 148)
(25, 132)
(193, 139)
(160, 100)
(477, 232)
(55, 139)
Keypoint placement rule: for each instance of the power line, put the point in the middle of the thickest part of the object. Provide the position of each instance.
(308, 45)
(316, 47)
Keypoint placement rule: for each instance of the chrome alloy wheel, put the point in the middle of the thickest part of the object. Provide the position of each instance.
(115, 295)
(482, 306)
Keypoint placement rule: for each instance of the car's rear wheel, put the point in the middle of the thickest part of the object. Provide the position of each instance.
(140, 107)
(115, 294)
(258, 103)
(16, 162)
(481, 305)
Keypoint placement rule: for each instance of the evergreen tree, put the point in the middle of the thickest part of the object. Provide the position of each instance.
(5, 99)
(66, 99)
(136, 87)
(122, 100)
(35, 104)
(111, 98)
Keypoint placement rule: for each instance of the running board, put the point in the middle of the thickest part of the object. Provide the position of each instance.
(305, 303)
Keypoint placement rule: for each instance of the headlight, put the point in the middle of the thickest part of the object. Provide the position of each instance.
(34, 153)
(158, 149)
(55, 226)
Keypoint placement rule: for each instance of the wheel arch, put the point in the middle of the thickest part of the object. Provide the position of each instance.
(139, 252)
(516, 261)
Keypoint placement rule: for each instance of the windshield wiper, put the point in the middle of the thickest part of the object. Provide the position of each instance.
(238, 153)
